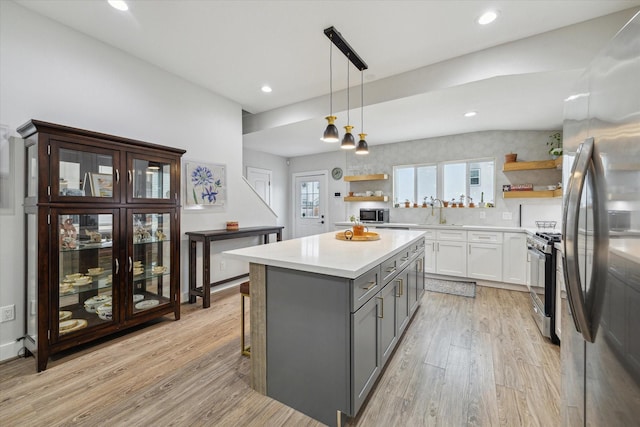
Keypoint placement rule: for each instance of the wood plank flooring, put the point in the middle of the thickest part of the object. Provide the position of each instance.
(462, 362)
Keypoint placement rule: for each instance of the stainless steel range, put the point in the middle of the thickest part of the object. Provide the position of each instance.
(541, 280)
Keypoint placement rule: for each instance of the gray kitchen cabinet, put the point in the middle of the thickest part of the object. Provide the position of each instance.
(387, 309)
(330, 337)
(402, 300)
(371, 331)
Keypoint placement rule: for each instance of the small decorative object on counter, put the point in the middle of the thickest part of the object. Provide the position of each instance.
(232, 225)
(471, 204)
(461, 203)
(445, 204)
(510, 158)
(407, 203)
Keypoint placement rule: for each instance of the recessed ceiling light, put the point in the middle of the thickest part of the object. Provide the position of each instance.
(118, 4)
(266, 89)
(470, 113)
(487, 17)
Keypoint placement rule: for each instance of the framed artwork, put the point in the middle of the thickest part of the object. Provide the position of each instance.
(205, 185)
(101, 185)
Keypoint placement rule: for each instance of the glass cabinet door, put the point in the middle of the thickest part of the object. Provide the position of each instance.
(86, 270)
(150, 179)
(80, 171)
(150, 261)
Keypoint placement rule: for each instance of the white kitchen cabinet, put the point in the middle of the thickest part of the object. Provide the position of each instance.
(514, 258)
(485, 261)
(451, 253)
(430, 256)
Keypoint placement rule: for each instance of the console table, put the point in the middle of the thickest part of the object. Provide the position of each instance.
(208, 236)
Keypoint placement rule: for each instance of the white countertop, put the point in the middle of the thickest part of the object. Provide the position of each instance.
(325, 254)
(384, 225)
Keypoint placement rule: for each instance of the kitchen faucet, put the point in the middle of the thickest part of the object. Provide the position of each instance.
(440, 219)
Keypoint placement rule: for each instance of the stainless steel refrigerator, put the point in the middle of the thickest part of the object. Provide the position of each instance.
(600, 348)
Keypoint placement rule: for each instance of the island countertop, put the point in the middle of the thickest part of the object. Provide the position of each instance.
(324, 254)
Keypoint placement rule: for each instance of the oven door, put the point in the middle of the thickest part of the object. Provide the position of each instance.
(536, 283)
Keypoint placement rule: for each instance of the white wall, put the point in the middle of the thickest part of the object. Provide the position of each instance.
(52, 73)
(280, 193)
(336, 209)
(529, 145)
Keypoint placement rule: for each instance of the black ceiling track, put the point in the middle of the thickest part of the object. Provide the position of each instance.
(337, 39)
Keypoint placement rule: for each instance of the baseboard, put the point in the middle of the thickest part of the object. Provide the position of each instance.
(10, 350)
(485, 283)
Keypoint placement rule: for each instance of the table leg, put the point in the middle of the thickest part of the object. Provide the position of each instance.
(206, 274)
(192, 270)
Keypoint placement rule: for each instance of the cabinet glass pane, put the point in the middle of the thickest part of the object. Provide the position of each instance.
(85, 276)
(32, 171)
(32, 276)
(151, 180)
(151, 261)
(85, 174)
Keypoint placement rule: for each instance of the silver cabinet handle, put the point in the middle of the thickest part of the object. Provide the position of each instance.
(381, 316)
(400, 287)
(130, 264)
(117, 266)
(391, 270)
(369, 286)
(117, 175)
(129, 175)
(582, 165)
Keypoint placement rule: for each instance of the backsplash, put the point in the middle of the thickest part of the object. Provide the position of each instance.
(529, 145)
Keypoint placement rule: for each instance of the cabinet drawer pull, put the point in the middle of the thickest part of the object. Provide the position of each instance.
(400, 287)
(404, 258)
(117, 266)
(369, 286)
(130, 264)
(381, 316)
(117, 175)
(391, 270)
(129, 176)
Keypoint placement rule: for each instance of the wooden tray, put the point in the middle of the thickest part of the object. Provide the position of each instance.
(348, 235)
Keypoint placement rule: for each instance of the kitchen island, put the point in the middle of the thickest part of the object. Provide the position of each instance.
(326, 315)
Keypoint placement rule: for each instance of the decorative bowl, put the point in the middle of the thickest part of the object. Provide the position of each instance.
(92, 304)
(159, 269)
(95, 271)
(138, 297)
(105, 311)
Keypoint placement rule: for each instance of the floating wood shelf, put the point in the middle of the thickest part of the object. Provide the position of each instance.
(366, 199)
(539, 164)
(531, 194)
(374, 177)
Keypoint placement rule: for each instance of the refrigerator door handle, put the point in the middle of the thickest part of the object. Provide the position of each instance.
(581, 165)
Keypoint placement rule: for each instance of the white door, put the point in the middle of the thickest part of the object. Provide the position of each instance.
(260, 180)
(310, 203)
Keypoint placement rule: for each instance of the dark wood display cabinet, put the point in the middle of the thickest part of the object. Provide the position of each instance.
(102, 235)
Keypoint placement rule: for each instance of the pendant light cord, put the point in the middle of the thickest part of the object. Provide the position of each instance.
(362, 101)
(331, 75)
(348, 90)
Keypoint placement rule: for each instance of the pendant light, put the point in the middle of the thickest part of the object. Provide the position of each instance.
(348, 141)
(331, 132)
(363, 147)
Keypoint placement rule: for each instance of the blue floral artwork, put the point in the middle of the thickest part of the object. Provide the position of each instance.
(205, 185)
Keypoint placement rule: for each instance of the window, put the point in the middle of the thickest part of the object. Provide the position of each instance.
(446, 181)
(414, 182)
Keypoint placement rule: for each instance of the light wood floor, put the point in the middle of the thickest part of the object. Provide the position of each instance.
(462, 362)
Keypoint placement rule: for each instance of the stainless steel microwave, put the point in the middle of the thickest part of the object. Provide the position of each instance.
(374, 215)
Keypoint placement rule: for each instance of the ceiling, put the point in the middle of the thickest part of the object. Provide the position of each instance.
(429, 62)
